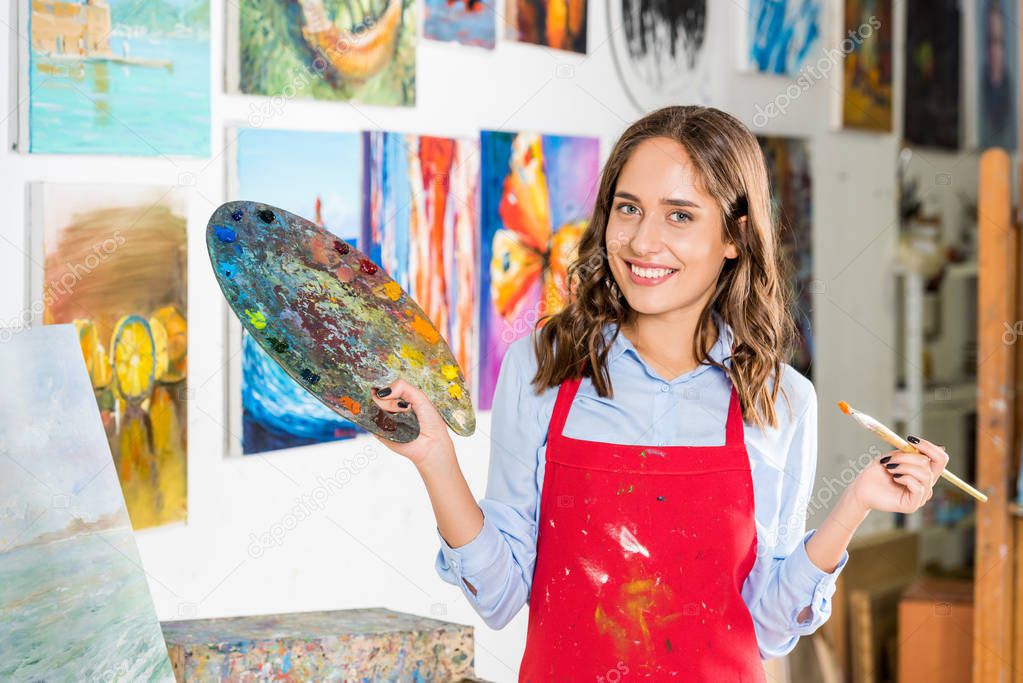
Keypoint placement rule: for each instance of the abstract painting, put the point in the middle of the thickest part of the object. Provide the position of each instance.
(997, 74)
(468, 22)
(336, 322)
(421, 225)
(316, 175)
(358, 50)
(788, 167)
(119, 77)
(536, 198)
(781, 34)
(659, 51)
(560, 24)
(866, 41)
(74, 599)
(931, 114)
(114, 263)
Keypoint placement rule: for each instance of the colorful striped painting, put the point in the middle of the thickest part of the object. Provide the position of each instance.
(115, 263)
(316, 175)
(421, 225)
(536, 197)
(74, 599)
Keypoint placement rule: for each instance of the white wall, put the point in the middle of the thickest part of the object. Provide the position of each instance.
(373, 543)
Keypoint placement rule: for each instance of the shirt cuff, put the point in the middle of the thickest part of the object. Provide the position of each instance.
(804, 578)
(476, 555)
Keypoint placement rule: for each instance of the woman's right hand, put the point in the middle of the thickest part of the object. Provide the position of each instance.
(433, 441)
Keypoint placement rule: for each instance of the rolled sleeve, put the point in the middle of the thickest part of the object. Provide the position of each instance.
(807, 585)
(495, 569)
(784, 582)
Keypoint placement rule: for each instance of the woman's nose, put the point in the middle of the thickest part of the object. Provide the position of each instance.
(646, 239)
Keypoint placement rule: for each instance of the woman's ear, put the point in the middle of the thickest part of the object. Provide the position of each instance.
(731, 250)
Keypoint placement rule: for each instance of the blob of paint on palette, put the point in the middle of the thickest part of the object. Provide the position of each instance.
(332, 319)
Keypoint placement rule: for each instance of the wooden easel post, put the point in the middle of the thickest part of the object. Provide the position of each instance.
(996, 308)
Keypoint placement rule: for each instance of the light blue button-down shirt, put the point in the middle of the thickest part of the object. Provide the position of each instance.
(690, 410)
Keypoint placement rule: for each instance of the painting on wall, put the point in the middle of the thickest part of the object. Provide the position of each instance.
(866, 42)
(560, 24)
(318, 176)
(421, 226)
(660, 51)
(468, 22)
(119, 77)
(362, 51)
(931, 112)
(781, 35)
(536, 197)
(788, 167)
(114, 263)
(997, 75)
(74, 599)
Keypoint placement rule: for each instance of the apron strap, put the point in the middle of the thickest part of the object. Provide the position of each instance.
(566, 394)
(734, 430)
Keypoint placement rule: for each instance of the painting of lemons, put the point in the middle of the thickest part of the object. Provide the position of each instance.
(114, 264)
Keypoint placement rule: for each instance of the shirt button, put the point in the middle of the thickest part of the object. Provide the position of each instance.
(665, 387)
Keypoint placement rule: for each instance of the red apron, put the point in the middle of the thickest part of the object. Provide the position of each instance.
(640, 560)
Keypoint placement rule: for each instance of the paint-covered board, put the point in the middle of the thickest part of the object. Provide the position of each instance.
(335, 321)
(366, 644)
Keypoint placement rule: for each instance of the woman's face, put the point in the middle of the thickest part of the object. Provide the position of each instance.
(664, 224)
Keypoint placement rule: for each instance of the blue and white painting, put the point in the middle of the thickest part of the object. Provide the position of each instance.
(318, 176)
(119, 77)
(782, 34)
(74, 601)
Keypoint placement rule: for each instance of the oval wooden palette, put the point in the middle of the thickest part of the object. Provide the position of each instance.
(332, 319)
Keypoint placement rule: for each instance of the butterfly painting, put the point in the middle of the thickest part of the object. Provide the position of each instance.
(537, 194)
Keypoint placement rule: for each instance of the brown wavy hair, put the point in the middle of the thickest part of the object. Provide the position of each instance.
(750, 295)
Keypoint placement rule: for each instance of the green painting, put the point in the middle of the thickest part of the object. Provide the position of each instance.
(358, 50)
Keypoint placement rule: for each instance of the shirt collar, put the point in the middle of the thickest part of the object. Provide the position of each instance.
(721, 351)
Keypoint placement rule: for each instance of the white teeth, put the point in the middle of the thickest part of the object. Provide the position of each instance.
(652, 273)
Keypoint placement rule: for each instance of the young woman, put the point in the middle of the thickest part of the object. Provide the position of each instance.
(653, 456)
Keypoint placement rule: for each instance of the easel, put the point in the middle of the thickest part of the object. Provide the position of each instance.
(998, 587)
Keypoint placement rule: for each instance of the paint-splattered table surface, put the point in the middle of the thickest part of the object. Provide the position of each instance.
(336, 322)
(345, 645)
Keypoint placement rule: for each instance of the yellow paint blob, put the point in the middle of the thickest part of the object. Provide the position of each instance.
(414, 357)
(450, 372)
(455, 391)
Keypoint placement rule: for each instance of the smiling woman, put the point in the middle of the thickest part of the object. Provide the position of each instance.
(657, 529)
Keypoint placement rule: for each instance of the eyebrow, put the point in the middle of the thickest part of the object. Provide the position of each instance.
(664, 200)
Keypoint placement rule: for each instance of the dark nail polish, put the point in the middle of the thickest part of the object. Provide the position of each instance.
(402, 403)
(912, 439)
(896, 476)
(885, 459)
(892, 465)
(386, 391)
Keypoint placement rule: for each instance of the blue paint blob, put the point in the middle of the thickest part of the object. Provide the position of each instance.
(227, 270)
(237, 214)
(225, 234)
(286, 663)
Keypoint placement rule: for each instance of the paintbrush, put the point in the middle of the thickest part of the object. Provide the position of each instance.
(895, 440)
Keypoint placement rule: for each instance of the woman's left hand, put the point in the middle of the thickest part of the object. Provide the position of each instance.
(900, 482)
